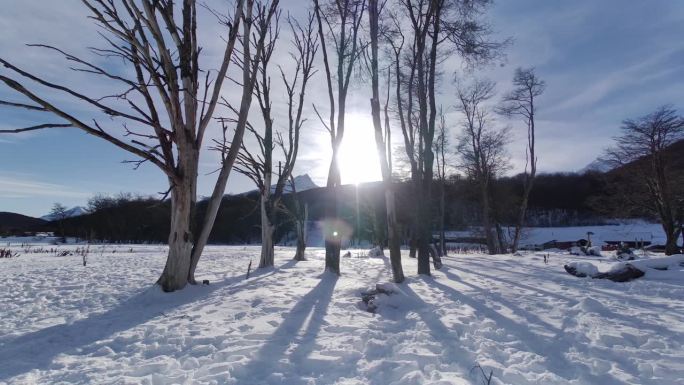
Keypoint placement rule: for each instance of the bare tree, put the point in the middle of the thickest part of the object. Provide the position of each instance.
(521, 102)
(481, 147)
(642, 150)
(260, 167)
(436, 29)
(165, 107)
(383, 143)
(339, 24)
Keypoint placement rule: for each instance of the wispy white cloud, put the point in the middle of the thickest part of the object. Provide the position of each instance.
(25, 187)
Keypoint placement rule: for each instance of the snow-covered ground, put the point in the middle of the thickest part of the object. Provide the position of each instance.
(528, 322)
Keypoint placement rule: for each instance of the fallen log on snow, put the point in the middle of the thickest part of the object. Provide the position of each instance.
(625, 271)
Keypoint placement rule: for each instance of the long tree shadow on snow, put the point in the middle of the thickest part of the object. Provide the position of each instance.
(294, 339)
(36, 350)
(552, 349)
(447, 337)
(602, 287)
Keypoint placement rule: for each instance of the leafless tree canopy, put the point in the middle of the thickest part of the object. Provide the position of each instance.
(481, 147)
(646, 137)
(642, 150)
(521, 102)
(166, 103)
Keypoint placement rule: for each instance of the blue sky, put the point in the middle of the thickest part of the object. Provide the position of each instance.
(603, 61)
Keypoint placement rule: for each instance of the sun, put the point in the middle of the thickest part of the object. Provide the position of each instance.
(358, 156)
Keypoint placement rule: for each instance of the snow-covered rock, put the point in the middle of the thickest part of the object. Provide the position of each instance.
(584, 269)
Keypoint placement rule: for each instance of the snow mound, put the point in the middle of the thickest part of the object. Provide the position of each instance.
(584, 269)
(375, 252)
(388, 299)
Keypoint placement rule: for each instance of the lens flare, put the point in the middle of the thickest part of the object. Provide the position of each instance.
(336, 230)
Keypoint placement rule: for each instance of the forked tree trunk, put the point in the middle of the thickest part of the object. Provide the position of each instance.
(267, 230)
(175, 274)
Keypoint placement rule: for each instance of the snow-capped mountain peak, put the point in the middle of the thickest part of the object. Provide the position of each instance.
(70, 213)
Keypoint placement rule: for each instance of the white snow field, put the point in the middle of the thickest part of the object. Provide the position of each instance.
(527, 322)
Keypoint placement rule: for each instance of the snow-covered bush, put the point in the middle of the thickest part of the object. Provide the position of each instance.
(375, 252)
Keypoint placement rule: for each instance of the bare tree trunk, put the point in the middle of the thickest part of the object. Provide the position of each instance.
(413, 242)
(267, 230)
(487, 220)
(332, 235)
(519, 224)
(393, 240)
(174, 276)
(301, 235)
(442, 217)
(671, 236)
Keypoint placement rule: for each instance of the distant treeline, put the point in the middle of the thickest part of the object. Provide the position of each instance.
(560, 199)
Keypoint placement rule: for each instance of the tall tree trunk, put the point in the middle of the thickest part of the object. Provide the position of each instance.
(442, 217)
(382, 144)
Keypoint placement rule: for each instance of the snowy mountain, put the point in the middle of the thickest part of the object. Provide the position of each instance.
(301, 183)
(72, 212)
(597, 166)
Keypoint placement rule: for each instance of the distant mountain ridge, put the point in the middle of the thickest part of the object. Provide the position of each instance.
(14, 221)
(75, 211)
(674, 152)
(597, 165)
